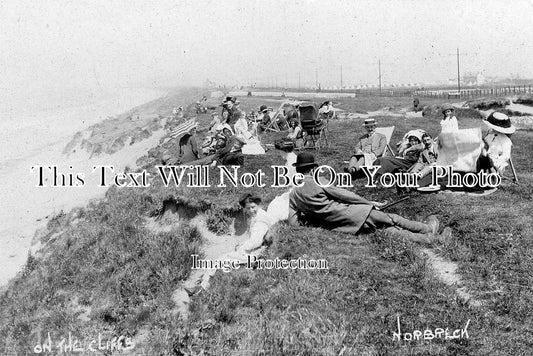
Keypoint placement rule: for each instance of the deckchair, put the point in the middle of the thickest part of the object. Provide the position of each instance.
(273, 124)
(387, 132)
(314, 130)
(514, 177)
(460, 149)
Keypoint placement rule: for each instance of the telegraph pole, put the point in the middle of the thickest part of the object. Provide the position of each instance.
(299, 80)
(341, 78)
(379, 68)
(458, 69)
(316, 78)
(458, 75)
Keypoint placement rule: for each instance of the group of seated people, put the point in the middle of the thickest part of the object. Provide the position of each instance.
(418, 151)
(342, 210)
(233, 122)
(227, 133)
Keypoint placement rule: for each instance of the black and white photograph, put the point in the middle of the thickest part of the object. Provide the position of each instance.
(253, 177)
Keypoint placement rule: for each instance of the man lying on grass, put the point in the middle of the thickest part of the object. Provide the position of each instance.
(341, 210)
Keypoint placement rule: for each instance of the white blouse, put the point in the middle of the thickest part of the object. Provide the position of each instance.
(449, 124)
(499, 150)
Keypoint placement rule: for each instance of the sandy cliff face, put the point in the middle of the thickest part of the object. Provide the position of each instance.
(112, 135)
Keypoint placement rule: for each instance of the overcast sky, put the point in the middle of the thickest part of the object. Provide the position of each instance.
(88, 43)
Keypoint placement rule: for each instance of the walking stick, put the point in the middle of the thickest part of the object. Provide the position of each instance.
(394, 203)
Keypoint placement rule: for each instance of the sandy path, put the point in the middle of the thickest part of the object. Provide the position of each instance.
(446, 272)
(214, 247)
(521, 108)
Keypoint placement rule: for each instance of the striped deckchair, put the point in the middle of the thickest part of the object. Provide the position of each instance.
(183, 128)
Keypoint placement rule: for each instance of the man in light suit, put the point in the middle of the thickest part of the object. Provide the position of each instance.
(370, 146)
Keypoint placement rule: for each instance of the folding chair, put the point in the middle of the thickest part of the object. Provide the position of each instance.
(460, 149)
(313, 129)
(273, 125)
(514, 179)
(387, 132)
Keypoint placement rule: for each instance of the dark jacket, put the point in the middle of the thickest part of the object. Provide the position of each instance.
(188, 148)
(233, 115)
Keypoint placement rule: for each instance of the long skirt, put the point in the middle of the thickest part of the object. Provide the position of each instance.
(392, 164)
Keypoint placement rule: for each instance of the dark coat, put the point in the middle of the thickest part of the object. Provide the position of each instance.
(188, 148)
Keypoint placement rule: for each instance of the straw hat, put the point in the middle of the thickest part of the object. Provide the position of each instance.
(500, 122)
(447, 107)
(369, 122)
(227, 126)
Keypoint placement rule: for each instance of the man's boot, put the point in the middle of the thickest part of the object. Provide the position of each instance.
(425, 238)
(415, 226)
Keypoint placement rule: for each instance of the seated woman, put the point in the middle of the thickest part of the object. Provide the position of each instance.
(497, 151)
(427, 159)
(264, 117)
(230, 155)
(295, 133)
(326, 110)
(241, 125)
(494, 157)
(188, 147)
(409, 157)
(215, 121)
(258, 222)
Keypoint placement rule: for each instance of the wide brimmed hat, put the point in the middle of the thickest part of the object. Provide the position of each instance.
(249, 196)
(447, 107)
(263, 108)
(227, 126)
(229, 99)
(418, 133)
(369, 122)
(305, 159)
(500, 122)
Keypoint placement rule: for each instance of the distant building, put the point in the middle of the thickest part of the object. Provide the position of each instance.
(472, 79)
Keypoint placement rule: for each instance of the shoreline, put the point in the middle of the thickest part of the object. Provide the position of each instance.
(27, 208)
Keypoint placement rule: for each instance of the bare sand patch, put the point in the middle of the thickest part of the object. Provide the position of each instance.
(446, 272)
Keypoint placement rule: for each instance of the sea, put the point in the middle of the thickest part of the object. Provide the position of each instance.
(33, 121)
(35, 128)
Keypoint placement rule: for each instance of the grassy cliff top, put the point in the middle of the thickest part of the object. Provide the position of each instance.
(104, 269)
